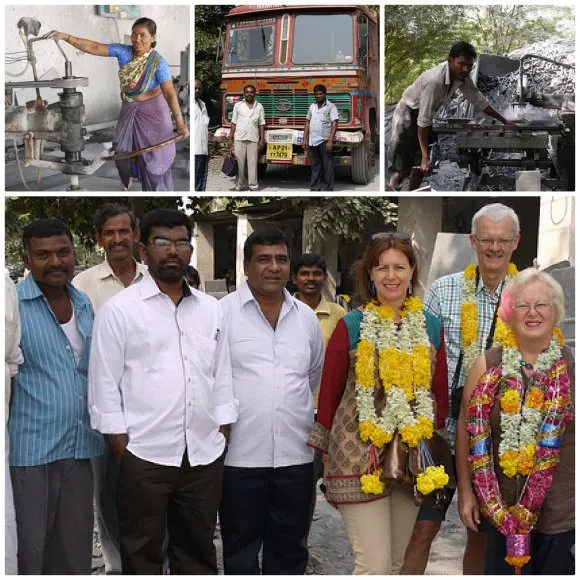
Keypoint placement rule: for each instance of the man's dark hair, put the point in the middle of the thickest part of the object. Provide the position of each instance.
(111, 210)
(319, 88)
(463, 49)
(310, 261)
(45, 228)
(163, 218)
(267, 237)
(249, 87)
(194, 274)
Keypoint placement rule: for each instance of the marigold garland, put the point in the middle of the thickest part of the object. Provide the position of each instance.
(533, 449)
(469, 318)
(404, 370)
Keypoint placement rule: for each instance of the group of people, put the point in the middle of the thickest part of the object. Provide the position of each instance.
(247, 139)
(148, 103)
(178, 408)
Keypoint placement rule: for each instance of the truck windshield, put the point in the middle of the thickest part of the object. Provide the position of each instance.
(251, 44)
(322, 39)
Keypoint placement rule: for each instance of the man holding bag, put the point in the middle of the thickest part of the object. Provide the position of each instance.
(247, 138)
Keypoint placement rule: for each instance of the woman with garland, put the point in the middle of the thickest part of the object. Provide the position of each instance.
(383, 364)
(515, 437)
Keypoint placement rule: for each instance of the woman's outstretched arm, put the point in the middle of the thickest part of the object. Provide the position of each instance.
(88, 46)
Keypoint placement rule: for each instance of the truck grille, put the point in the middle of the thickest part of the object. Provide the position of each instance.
(291, 108)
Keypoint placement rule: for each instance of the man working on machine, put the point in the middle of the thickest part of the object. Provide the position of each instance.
(414, 113)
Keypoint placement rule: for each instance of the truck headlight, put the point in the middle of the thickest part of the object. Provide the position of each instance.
(343, 116)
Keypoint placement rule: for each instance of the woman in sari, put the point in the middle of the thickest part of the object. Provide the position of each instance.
(148, 100)
(384, 367)
(515, 436)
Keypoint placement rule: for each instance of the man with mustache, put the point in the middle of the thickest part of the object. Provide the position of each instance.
(117, 232)
(160, 389)
(310, 276)
(247, 138)
(413, 116)
(51, 440)
(277, 351)
(495, 235)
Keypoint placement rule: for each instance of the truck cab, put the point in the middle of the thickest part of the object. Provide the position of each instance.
(284, 51)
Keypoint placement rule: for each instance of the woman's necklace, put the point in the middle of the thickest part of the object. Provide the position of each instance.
(404, 369)
(531, 434)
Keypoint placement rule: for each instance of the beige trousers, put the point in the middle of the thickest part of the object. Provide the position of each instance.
(247, 152)
(379, 532)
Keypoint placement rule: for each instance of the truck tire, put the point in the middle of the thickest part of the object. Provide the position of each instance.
(360, 169)
(262, 168)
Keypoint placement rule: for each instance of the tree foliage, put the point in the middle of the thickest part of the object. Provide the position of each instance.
(419, 37)
(209, 24)
(343, 216)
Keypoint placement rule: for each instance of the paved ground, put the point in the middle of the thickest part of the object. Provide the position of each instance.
(330, 545)
(287, 179)
(106, 178)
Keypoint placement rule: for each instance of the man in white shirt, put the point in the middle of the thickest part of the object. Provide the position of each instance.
(247, 138)
(117, 232)
(413, 116)
(160, 389)
(201, 124)
(319, 131)
(277, 352)
(12, 358)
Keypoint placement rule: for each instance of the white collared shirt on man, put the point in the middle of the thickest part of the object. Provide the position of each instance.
(274, 375)
(161, 373)
(100, 283)
(434, 89)
(321, 119)
(200, 127)
(248, 121)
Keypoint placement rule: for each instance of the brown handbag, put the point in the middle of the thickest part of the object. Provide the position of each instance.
(401, 465)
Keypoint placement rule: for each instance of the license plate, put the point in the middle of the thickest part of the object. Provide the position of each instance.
(279, 152)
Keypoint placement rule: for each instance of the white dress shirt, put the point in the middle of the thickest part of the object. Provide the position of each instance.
(434, 89)
(161, 373)
(12, 353)
(100, 283)
(275, 373)
(248, 121)
(200, 124)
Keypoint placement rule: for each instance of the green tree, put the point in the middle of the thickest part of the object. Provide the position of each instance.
(419, 37)
(344, 216)
(499, 29)
(209, 29)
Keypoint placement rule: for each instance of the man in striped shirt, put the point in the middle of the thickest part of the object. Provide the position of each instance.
(51, 441)
(495, 234)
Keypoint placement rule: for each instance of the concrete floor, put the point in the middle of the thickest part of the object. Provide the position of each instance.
(105, 178)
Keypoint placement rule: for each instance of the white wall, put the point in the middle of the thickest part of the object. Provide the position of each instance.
(101, 97)
(557, 234)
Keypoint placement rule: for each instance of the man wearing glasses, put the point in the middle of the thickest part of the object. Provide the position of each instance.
(473, 294)
(160, 389)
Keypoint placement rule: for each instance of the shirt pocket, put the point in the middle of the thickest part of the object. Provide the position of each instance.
(201, 353)
(295, 357)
